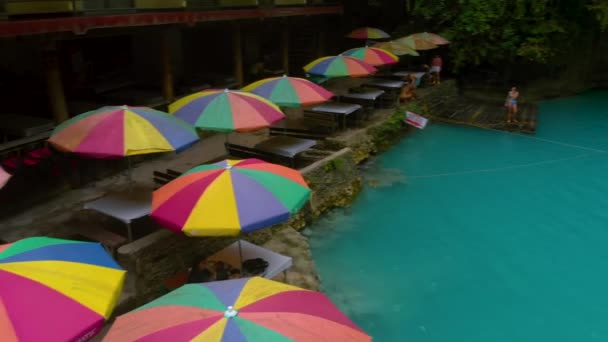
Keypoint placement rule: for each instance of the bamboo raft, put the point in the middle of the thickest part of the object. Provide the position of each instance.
(483, 115)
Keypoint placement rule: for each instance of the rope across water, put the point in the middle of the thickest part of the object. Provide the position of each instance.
(593, 152)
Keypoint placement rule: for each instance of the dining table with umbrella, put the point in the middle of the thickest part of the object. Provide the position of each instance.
(396, 48)
(339, 66)
(246, 309)
(122, 132)
(368, 33)
(416, 43)
(372, 55)
(290, 92)
(431, 37)
(224, 110)
(229, 198)
(240, 111)
(56, 290)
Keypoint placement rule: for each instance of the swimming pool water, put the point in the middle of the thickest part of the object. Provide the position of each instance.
(474, 235)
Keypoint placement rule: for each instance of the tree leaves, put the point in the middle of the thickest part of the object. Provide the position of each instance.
(600, 9)
(506, 31)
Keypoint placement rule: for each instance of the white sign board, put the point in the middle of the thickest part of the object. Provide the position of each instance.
(415, 120)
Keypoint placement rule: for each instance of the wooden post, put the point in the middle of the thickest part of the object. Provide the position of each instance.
(168, 93)
(54, 84)
(321, 43)
(237, 39)
(285, 47)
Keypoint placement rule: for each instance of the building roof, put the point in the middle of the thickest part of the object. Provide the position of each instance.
(82, 24)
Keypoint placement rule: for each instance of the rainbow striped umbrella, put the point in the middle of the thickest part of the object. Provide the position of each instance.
(56, 290)
(339, 66)
(226, 111)
(290, 91)
(372, 55)
(368, 33)
(415, 43)
(229, 197)
(396, 48)
(247, 309)
(111, 132)
(431, 37)
(4, 177)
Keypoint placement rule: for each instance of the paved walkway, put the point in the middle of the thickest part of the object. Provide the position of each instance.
(52, 217)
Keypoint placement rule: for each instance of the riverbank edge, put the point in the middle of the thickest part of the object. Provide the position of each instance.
(335, 182)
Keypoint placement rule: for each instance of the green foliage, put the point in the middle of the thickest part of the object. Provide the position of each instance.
(384, 135)
(334, 164)
(499, 32)
(600, 9)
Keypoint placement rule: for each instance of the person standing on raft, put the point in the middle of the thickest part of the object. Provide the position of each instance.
(511, 104)
(436, 65)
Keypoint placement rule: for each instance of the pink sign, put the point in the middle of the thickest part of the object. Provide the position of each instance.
(415, 120)
(4, 177)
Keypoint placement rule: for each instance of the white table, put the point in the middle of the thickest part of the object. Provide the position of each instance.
(285, 146)
(337, 109)
(369, 95)
(277, 263)
(124, 206)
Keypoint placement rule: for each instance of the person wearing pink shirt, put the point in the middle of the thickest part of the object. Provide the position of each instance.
(436, 65)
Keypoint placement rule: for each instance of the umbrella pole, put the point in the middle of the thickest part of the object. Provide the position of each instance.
(241, 257)
(129, 174)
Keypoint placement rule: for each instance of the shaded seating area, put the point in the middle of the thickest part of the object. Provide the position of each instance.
(392, 89)
(237, 260)
(341, 114)
(366, 98)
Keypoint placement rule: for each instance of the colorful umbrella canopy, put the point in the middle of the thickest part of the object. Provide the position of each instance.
(226, 111)
(56, 290)
(431, 37)
(247, 309)
(339, 66)
(229, 197)
(290, 91)
(372, 55)
(415, 43)
(4, 177)
(111, 132)
(368, 33)
(396, 48)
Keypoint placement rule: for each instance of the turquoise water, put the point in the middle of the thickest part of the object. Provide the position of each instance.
(480, 236)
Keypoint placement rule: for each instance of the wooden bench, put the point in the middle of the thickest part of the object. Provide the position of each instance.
(326, 122)
(109, 240)
(162, 178)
